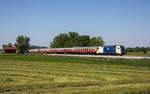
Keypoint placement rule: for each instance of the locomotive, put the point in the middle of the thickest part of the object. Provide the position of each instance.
(97, 50)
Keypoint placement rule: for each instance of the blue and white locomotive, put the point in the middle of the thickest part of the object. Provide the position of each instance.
(111, 50)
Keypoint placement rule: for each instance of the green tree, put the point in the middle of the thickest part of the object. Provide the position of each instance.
(83, 41)
(96, 41)
(4, 46)
(8, 45)
(73, 39)
(144, 50)
(22, 44)
(60, 41)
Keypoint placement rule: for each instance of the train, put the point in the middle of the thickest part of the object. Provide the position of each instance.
(97, 50)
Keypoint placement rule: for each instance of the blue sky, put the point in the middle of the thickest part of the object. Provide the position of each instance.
(125, 22)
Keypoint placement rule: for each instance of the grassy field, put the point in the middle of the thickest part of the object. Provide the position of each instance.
(35, 74)
(137, 54)
(1, 52)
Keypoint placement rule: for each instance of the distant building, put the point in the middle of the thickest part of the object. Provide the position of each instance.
(10, 49)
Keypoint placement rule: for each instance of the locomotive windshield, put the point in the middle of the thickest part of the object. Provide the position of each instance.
(122, 47)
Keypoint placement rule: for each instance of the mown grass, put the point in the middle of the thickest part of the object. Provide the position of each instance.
(37, 74)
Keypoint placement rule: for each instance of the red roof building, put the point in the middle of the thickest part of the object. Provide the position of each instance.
(10, 49)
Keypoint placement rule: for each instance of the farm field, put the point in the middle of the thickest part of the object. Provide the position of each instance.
(37, 74)
(137, 54)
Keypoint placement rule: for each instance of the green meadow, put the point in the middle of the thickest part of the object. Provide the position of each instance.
(39, 74)
(137, 54)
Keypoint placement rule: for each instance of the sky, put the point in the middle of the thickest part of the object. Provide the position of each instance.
(124, 22)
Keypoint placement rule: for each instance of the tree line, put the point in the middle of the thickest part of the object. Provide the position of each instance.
(37, 47)
(138, 49)
(63, 40)
(73, 39)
